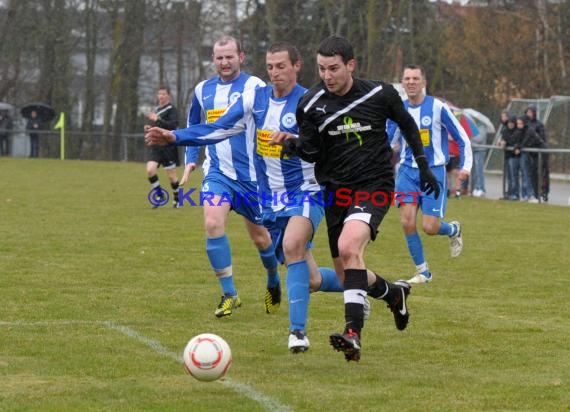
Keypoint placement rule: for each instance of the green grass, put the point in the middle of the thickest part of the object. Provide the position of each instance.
(80, 246)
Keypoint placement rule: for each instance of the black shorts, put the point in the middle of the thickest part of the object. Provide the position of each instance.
(368, 203)
(167, 156)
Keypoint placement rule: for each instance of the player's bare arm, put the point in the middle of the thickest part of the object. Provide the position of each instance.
(463, 175)
(190, 167)
(158, 136)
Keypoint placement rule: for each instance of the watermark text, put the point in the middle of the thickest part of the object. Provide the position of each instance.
(343, 197)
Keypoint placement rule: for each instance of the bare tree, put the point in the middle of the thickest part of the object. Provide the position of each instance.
(91, 43)
(15, 20)
(127, 73)
(544, 34)
(112, 7)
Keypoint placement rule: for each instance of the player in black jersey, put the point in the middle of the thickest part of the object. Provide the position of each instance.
(165, 116)
(343, 131)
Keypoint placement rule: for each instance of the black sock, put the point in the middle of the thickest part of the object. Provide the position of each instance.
(154, 182)
(392, 293)
(379, 289)
(174, 190)
(355, 285)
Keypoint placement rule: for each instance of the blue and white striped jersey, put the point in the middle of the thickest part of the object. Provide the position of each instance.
(435, 120)
(212, 97)
(277, 178)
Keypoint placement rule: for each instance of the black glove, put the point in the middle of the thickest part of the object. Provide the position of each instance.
(428, 182)
(290, 147)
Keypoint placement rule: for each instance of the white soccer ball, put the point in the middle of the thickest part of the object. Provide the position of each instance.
(207, 357)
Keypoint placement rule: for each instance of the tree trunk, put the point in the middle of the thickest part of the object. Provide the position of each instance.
(128, 76)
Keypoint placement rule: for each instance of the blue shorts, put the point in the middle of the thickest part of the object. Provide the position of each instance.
(276, 222)
(408, 190)
(234, 192)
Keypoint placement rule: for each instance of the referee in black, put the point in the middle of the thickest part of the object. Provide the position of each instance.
(165, 116)
(342, 125)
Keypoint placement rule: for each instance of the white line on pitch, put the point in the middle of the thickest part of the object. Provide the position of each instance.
(48, 323)
(241, 388)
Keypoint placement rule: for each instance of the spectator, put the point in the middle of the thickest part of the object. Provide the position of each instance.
(512, 158)
(539, 128)
(479, 155)
(527, 138)
(5, 131)
(504, 117)
(33, 126)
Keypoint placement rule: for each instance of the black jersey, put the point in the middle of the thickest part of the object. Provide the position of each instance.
(167, 117)
(168, 155)
(345, 136)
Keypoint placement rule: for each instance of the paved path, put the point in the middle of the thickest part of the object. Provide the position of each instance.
(559, 189)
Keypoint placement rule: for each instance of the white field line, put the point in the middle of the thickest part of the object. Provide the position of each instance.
(241, 388)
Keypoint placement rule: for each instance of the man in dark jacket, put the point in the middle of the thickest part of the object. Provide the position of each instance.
(542, 143)
(527, 139)
(509, 136)
(5, 131)
(34, 125)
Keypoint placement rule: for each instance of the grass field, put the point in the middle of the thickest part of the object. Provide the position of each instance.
(100, 293)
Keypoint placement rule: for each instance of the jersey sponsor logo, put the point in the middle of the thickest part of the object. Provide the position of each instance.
(214, 114)
(289, 120)
(263, 147)
(349, 127)
(426, 121)
(424, 135)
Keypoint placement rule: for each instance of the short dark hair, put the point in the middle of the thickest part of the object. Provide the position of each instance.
(222, 41)
(336, 45)
(416, 67)
(164, 87)
(282, 46)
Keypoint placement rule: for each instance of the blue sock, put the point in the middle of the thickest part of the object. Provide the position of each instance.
(446, 229)
(415, 247)
(330, 282)
(227, 285)
(298, 294)
(220, 256)
(270, 263)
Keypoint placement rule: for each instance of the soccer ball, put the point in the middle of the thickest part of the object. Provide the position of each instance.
(207, 357)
